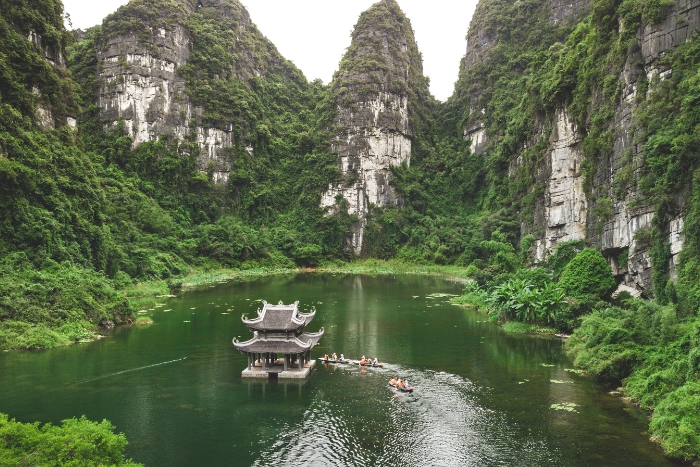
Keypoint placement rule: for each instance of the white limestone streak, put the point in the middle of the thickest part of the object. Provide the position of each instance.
(566, 206)
(380, 150)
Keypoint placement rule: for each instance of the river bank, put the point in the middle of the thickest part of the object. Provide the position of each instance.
(66, 305)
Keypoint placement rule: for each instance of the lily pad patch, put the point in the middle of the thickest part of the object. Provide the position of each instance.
(567, 406)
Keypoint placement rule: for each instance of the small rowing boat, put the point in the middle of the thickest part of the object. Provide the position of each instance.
(377, 365)
(337, 362)
(402, 389)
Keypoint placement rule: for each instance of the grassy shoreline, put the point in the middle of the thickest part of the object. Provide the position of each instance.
(145, 294)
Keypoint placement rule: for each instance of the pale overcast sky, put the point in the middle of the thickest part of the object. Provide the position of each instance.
(315, 33)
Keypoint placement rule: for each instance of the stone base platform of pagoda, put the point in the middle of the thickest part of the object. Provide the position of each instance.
(277, 368)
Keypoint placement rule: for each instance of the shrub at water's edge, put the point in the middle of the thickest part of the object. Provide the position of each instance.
(649, 347)
(537, 296)
(77, 442)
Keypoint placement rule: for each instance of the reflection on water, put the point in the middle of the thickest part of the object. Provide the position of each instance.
(482, 397)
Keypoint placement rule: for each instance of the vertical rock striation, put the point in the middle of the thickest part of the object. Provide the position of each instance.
(378, 89)
(565, 211)
(141, 82)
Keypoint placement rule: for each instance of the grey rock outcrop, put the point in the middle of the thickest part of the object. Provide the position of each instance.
(373, 113)
(567, 10)
(139, 83)
(562, 214)
(44, 116)
(619, 219)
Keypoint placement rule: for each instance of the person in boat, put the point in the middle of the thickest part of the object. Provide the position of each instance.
(399, 383)
(393, 381)
(326, 357)
(375, 361)
(406, 385)
(363, 361)
(342, 358)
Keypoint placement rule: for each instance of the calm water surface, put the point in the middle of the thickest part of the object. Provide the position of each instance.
(482, 398)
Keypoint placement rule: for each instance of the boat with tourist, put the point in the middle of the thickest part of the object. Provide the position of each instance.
(400, 385)
(368, 362)
(335, 359)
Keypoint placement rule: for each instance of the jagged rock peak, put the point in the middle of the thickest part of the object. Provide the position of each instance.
(380, 90)
(383, 56)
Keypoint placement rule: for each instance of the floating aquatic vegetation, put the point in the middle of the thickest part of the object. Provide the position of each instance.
(441, 295)
(547, 365)
(559, 381)
(187, 321)
(574, 370)
(568, 406)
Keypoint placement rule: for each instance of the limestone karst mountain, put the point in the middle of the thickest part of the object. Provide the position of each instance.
(379, 90)
(157, 75)
(579, 189)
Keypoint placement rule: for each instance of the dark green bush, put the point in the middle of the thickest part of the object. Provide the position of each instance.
(77, 442)
(587, 274)
(676, 422)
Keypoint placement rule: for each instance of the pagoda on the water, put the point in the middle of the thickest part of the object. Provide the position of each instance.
(279, 331)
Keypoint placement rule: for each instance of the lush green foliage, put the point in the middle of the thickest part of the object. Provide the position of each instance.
(27, 79)
(537, 295)
(656, 355)
(76, 443)
(518, 299)
(587, 274)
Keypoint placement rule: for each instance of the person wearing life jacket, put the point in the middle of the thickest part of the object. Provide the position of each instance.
(363, 361)
(335, 356)
(393, 381)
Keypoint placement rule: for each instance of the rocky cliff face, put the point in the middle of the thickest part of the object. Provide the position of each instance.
(376, 88)
(565, 211)
(485, 32)
(140, 82)
(630, 213)
(612, 213)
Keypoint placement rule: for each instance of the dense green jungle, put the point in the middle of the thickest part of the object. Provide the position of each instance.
(88, 217)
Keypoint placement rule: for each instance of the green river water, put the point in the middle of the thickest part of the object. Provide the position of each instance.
(482, 397)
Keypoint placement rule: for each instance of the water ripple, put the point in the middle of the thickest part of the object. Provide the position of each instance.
(442, 423)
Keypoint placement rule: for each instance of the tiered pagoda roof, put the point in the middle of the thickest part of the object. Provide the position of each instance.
(279, 318)
(293, 345)
(279, 329)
